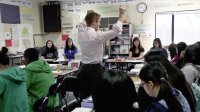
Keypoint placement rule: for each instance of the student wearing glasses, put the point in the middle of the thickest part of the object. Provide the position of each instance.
(175, 77)
(166, 99)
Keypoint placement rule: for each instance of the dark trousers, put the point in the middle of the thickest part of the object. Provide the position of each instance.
(88, 74)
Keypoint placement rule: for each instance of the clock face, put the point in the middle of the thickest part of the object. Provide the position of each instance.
(141, 7)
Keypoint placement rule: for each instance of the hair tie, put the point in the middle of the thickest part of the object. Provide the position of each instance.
(162, 79)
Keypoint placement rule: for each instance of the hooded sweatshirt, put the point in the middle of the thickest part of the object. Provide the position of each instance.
(39, 79)
(13, 93)
(161, 105)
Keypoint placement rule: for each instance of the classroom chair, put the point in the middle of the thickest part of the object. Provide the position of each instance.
(41, 105)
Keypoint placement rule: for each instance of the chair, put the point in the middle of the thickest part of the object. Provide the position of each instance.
(41, 105)
(70, 84)
(54, 92)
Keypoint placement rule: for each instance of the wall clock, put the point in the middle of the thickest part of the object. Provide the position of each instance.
(141, 7)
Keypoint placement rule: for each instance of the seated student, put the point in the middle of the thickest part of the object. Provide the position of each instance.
(191, 68)
(114, 91)
(13, 94)
(158, 44)
(173, 53)
(50, 51)
(181, 50)
(175, 77)
(70, 49)
(167, 99)
(136, 51)
(39, 76)
(4, 50)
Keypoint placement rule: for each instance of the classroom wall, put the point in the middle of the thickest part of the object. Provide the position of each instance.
(147, 29)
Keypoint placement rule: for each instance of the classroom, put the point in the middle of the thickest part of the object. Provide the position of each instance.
(99, 55)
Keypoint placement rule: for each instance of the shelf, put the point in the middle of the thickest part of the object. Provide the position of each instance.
(121, 45)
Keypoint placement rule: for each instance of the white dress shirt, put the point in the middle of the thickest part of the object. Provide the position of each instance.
(91, 42)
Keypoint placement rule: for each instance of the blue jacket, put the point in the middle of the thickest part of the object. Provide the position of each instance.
(161, 105)
(70, 54)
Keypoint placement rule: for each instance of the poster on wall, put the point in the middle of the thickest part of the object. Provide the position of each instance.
(26, 14)
(26, 36)
(10, 32)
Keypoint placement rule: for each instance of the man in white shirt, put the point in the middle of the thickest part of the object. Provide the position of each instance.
(91, 42)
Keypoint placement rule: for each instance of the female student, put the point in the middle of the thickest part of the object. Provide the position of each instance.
(167, 99)
(158, 44)
(114, 91)
(136, 51)
(50, 51)
(70, 49)
(191, 68)
(175, 77)
(173, 53)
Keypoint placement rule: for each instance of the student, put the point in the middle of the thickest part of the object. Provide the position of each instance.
(136, 51)
(50, 51)
(175, 77)
(191, 68)
(13, 94)
(91, 41)
(39, 76)
(114, 91)
(4, 50)
(158, 44)
(70, 49)
(181, 50)
(173, 53)
(167, 99)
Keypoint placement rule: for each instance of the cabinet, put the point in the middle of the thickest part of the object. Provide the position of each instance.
(120, 45)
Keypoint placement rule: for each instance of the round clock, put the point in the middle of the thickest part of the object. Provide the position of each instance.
(141, 7)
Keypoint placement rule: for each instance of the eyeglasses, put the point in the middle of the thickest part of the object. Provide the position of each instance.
(142, 84)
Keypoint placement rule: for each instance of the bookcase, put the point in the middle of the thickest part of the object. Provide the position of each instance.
(120, 45)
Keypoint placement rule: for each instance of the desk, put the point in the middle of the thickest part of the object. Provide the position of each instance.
(12, 57)
(60, 72)
(53, 61)
(64, 72)
(123, 61)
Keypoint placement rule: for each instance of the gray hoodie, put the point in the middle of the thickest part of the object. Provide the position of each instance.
(191, 72)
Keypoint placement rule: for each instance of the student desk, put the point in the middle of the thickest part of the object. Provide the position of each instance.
(13, 57)
(53, 61)
(122, 62)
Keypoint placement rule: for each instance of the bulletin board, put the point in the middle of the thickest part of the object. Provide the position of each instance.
(18, 36)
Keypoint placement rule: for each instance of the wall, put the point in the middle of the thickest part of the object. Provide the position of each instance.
(147, 28)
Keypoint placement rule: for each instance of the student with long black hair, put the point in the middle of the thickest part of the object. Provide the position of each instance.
(114, 91)
(175, 77)
(70, 49)
(50, 51)
(136, 51)
(167, 99)
(157, 44)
